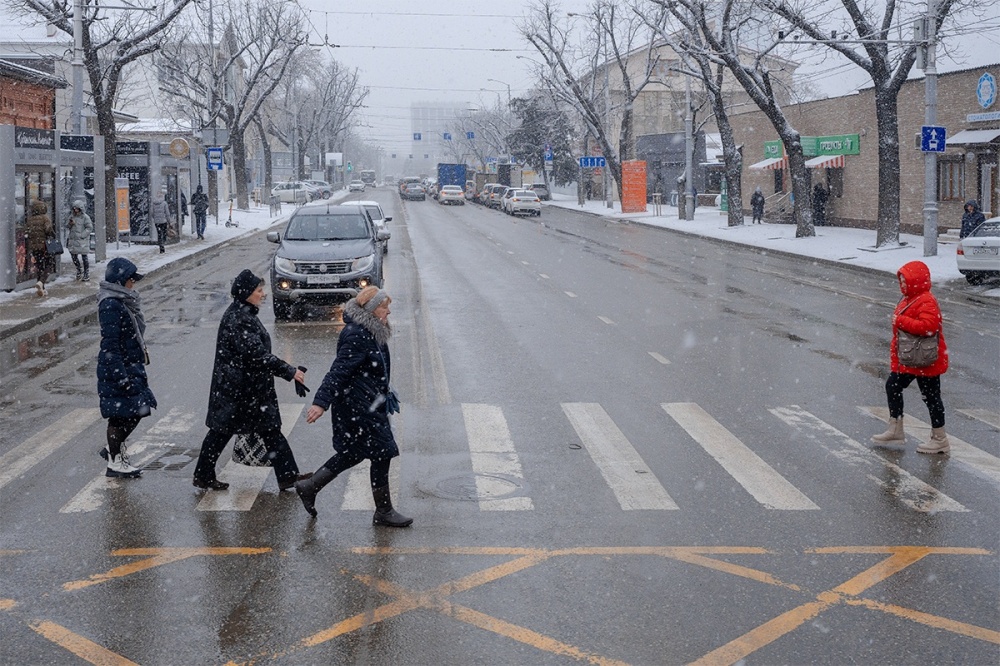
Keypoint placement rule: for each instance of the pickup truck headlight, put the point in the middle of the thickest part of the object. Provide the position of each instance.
(284, 265)
(362, 263)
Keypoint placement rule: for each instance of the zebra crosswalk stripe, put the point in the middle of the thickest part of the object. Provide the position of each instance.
(988, 416)
(977, 460)
(910, 490)
(758, 478)
(631, 480)
(175, 422)
(493, 456)
(39, 446)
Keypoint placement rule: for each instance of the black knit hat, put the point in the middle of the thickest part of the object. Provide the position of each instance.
(245, 284)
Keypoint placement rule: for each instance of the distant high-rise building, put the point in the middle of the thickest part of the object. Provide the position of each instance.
(432, 120)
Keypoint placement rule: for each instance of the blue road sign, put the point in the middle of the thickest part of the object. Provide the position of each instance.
(592, 162)
(932, 139)
(470, 135)
(447, 136)
(548, 154)
(416, 136)
(213, 157)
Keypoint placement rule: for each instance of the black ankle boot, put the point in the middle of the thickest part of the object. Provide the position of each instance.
(384, 513)
(309, 488)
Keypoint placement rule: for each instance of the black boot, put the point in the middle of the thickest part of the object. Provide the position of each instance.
(309, 488)
(384, 513)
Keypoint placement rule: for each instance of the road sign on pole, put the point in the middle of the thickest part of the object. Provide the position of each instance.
(213, 158)
(932, 139)
(592, 162)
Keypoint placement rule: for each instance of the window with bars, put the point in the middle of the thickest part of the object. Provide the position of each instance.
(951, 180)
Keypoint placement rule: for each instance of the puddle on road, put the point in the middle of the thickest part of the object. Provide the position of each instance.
(46, 349)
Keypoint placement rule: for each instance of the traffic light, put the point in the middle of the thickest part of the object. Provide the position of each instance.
(350, 167)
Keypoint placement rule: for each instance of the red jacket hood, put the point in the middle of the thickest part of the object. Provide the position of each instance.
(918, 278)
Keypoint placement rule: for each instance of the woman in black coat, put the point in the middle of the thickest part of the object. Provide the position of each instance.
(121, 364)
(356, 390)
(242, 399)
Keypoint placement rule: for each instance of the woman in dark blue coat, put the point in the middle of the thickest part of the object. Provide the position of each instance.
(242, 399)
(356, 391)
(121, 364)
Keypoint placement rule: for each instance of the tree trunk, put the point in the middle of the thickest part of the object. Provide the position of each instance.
(239, 155)
(106, 126)
(800, 187)
(733, 159)
(886, 112)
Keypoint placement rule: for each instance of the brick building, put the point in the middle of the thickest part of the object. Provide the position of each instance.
(841, 133)
(28, 96)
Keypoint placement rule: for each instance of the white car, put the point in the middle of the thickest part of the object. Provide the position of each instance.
(978, 254)
(356, 186)
(293, 192)
(521, 201)
(451, 194)
(378, 217)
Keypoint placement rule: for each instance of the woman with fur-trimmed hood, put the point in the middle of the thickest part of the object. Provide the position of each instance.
(356, 391)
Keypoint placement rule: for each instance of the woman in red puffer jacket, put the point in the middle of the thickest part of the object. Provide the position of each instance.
(916, 313)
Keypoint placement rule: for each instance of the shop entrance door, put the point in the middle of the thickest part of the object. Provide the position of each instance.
(988, 185)
(172, 195)
(30, 186)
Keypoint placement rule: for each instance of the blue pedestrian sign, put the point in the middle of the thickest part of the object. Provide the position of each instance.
(447, 136)
(470, 135)
(213, 157)
(416, 136)
(592, 162)
(932, 139)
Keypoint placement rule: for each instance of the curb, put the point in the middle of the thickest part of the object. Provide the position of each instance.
(182, 262)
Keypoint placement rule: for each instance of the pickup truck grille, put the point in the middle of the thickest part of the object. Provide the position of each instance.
(322, 267)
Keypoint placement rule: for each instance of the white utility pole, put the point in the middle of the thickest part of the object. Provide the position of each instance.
(78, 189)
(688, 152)
(930, 118)
(607, 120)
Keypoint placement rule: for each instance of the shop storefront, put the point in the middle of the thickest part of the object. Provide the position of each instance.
(150, 168)
(848, 163)
(44, 166)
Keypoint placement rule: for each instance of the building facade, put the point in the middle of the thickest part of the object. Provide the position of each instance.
(841, 134)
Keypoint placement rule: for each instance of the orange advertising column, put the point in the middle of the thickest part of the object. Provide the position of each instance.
(121, 201)
(634, 186)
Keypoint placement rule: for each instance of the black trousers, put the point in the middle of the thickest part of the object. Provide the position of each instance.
(379, 473)
(278, 451)
(930, 391)
(161, 234)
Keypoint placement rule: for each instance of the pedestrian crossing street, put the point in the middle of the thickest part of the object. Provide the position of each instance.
(494, 458)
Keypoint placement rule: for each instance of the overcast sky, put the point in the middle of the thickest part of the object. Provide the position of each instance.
(449, 49)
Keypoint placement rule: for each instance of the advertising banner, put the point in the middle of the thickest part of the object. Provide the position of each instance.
(634, 186)
(138, 200)
(121, 205)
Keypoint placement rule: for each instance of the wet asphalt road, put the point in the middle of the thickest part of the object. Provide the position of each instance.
(620, 445)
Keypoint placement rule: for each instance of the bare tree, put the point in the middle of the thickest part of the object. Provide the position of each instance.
(113, 39)
(683, 35)
(580, 73)
(490, 127)
(887, 56)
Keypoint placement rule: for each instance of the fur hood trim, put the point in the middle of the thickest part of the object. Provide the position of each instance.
(368, 321)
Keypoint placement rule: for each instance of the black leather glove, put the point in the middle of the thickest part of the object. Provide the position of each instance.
(300, 388)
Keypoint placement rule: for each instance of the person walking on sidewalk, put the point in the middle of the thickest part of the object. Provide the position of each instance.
(39, 231)
(917, 313)
(121, 364)
(160, 214)
(819, 199)
(971, 218)
(242, 399)
(79, 226)
(356, 389)
(757, 206)
(199, 204)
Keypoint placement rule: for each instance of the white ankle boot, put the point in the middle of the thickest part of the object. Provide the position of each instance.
(894, 436)
(119, 467)
(938, 442)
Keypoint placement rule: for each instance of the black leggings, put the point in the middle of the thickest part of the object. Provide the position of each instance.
(119, 428)
(76, 261)
(341, 462)
(930, 391)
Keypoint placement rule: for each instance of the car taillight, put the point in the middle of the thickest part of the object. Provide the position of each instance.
(960, 250)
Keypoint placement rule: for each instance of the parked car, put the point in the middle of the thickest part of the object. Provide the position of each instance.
(375, 213)
(542, 191)
(325, 189)
(295, 192)
(326, 256)
(451, 195)
(978, 254)
(356, 186)
(413, 192)
(495, 193)
(517, 201)
(470, 190)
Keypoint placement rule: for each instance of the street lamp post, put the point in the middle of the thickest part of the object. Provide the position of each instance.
(503, 83)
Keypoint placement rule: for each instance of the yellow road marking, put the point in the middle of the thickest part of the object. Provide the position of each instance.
(953, 626)
(160, 556)
(85, 649)
(7, 604)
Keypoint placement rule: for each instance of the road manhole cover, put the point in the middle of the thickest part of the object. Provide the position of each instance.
(474, 487)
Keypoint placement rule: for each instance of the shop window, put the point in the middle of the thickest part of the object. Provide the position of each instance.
(779, 181)
(835, 181)
(951, 180)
